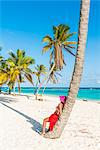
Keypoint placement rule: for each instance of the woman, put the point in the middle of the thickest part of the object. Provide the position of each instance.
(55, 116)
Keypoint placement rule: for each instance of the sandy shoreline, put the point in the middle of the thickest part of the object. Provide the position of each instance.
(21, 117)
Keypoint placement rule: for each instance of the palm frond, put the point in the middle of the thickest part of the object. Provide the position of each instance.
(69, 51)
(3, 78)
(20, 53)
(46, 48)
(28, 70)
(51, 56)
(12, 55)
(47, 39)
(72, 47)
(70, 35)
(66, 43)
(56, 79)
(59, 74)
(29, 78)
(27, 60)
(55, 31)
(63, 29)
(10, 62)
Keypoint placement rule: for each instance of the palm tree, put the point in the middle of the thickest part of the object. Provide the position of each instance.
(19, 66)
(77, 73)
(3, 79)
(8, 74)
(59, 42)
(40, 70)
(3, 73)
(53, 76)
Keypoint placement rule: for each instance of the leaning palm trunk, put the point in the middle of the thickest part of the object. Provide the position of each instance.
(45, 78)
(59, 60)
(35, 91)
(0, 89)
(19, 89)
(45, 85)
(9, 90)
(14, 89)
(77, 73)
(56, 47)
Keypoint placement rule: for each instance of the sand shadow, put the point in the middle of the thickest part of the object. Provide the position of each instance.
(37, 127)
(7, 99)
(15, 97)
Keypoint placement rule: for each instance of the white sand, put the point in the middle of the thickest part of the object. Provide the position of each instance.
(20, 117)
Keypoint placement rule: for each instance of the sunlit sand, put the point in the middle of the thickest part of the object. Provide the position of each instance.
(21, 122)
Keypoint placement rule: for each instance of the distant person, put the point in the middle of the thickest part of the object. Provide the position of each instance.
(55, 116)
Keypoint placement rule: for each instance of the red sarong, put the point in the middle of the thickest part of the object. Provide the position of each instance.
(53, 119)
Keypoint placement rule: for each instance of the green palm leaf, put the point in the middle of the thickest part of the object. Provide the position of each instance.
(66, 43)
(19, 67)
(46, 48)
(29, 78)
(70, 35)
(47, 39)
(40, 70)
(12, 55)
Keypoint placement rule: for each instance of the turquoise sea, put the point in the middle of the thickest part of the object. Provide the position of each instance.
(86, 93)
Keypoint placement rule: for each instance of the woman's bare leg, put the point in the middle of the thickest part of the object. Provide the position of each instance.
(44, 125)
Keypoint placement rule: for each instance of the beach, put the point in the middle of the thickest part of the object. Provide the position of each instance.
(21, 120)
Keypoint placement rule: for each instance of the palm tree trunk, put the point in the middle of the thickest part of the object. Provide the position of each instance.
(77, 73)
(14, 90)
(19, 89)
(61, 58)
(45, 85)
(56, 50)
(46, 78)
(35, 91)
(36, 88)
(0, 89)
(9, 90)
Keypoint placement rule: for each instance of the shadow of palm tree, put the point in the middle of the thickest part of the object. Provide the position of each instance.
(37, 127)
(16, 96)
(7, 100)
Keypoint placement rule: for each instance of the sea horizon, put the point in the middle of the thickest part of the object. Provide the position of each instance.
(89, 93)
(55, 87)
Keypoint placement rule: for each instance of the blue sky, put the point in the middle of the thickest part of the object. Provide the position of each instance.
(23, 24)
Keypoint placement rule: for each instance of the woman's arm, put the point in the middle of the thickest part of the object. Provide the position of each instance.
(60, 108)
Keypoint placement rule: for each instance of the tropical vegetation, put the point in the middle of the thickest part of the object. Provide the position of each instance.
(40, 70)
(16, 69)
(58, 43)
(77, 72)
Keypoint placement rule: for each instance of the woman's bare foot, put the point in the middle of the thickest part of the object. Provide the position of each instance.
(42, 134)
